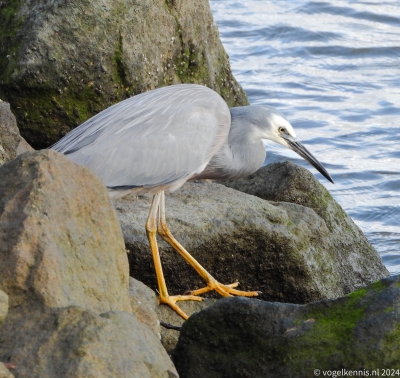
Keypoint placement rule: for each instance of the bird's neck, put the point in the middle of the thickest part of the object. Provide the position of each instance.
(241, 155)
(247, 152)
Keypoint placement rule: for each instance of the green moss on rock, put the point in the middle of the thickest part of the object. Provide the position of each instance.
(81, 58)
(10, 25)
(261, 339)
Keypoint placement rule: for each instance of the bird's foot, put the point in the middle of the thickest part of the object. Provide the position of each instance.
(224, 290)
(171, 302)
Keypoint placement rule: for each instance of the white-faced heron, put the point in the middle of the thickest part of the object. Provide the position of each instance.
(156, 141)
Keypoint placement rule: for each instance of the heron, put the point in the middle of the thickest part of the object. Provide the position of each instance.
(154, 142)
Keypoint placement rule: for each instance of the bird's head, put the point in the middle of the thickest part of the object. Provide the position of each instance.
(273, 125)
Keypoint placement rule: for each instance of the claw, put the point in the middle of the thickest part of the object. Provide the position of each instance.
(224, 290)
(171, 302)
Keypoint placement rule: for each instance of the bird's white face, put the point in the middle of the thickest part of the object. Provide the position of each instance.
(278, 128)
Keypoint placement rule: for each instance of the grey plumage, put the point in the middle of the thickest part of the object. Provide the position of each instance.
(155, 139)
(160, 139)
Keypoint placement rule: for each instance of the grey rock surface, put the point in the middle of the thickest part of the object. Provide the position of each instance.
(71, 342)
(146, 309)
(23, 146)
(169, 337)
(283, 249)
(63, 62)
(288, 182)
(54, 246)
(9, 134)
(144, 304)
(240, 337)
(65, 269)
(3, 306)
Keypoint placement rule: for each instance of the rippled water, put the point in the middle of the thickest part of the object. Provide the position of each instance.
(333, 68)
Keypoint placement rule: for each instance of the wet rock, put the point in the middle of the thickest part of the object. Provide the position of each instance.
(53, 245)
(283, 249)
(169, 336)
(9, 134)
(72, 342)
(240, 337)
(61, 63)
(144, 303)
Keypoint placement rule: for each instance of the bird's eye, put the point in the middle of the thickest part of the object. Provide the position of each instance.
(282, 130)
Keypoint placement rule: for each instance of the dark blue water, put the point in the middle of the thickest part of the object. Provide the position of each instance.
(333, 68)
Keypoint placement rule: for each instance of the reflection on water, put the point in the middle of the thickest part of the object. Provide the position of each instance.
(332, 67)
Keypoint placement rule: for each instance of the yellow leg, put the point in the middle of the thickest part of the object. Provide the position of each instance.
(151, 229)
(212, 283)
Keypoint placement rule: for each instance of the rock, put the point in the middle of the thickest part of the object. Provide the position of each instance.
(169, 337)
(60, 241)
(65, 270)
(283, 249)
(72, 342)
(144, 303)
(9, 134)
(3, 306)
(61, 63)
(240, 337)
(4, 372)
(23, 146)
(146, 309)
(288, 182)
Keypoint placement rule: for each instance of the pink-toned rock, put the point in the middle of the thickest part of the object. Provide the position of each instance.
(60, 240)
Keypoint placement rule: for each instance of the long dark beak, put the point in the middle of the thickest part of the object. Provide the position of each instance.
(307, 155)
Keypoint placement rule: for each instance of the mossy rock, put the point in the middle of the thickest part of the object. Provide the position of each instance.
(286, 182)
(63, 62)
(241, 337)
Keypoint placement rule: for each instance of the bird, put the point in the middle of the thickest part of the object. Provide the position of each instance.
(154, 142)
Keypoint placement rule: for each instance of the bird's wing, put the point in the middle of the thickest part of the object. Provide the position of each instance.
(151, 139)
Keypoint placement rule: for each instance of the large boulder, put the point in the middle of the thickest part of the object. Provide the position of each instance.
(9, 134)
(53, 245)
(71, 342)
(63, 62)
(240, 337)
(283, 249)
(65, 270)
(288, 182)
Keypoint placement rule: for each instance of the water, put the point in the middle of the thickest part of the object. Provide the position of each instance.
(333, 68)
